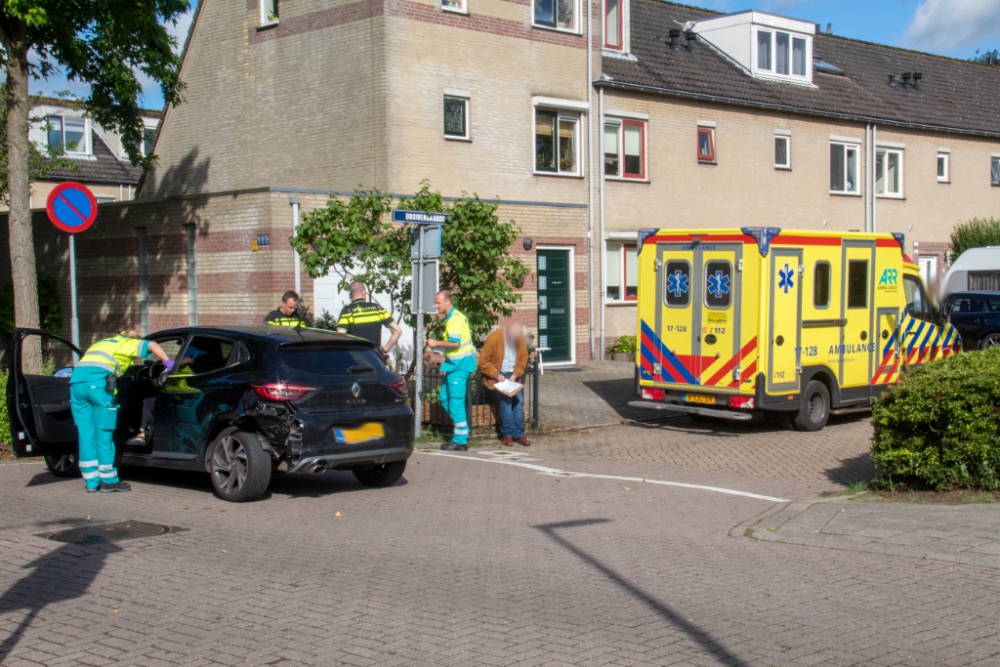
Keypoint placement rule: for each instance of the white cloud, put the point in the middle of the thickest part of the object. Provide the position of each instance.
(942, 25)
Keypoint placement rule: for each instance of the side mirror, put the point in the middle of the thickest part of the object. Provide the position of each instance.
(63, 372)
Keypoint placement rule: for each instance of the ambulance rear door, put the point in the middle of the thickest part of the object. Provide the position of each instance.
(672, 340)
(717, 339)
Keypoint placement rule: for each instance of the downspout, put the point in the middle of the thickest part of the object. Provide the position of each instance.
(591, 171)
(868, 176)
(294, 201)
(600, 238)
(874, 228)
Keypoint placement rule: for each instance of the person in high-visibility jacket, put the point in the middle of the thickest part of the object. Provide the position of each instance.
(287, 314)
(459, 363)
(92, 399)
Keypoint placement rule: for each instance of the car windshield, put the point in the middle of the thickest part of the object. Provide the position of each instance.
(326, 359)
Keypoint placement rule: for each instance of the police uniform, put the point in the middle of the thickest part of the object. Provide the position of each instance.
(459, 363)
(92, 403)
(365, 319)
(278, 318)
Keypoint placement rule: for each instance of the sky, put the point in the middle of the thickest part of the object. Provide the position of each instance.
(954, 28)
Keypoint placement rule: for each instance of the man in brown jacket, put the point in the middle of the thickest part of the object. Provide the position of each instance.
(504, 357)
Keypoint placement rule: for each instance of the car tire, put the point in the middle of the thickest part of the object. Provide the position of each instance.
(381, 476)
(990, 340)
(815, 410)
(67, 465)
(239, 467)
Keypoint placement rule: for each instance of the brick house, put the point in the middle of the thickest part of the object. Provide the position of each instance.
(667, 116)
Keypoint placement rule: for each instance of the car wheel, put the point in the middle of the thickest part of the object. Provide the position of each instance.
(991, 340)
(66, 465)
(240, 468)
(386, 474)
(815, 410)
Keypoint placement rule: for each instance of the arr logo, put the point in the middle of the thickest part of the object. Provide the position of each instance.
(889, 277)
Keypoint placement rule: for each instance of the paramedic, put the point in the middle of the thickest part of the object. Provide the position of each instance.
(365, 319)
(287, 314)
(459, 363)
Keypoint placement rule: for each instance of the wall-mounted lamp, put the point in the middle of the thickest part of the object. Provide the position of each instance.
(528, 243)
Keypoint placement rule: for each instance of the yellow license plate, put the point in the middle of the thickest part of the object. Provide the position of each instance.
(359, 434)
(699, 398)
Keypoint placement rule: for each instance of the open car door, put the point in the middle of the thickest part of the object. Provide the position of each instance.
(41, 422)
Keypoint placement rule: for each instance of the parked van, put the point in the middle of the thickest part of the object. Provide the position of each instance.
(736, 321)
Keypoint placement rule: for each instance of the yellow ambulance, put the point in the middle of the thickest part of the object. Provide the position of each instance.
(736, 321)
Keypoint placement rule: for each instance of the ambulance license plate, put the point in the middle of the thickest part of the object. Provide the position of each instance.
(699, 398)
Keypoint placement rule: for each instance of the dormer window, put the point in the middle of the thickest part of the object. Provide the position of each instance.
(781, 54)
(69, 134)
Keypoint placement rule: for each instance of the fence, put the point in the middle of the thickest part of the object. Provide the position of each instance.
(482, 404)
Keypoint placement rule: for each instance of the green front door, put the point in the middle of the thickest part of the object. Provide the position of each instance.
(555, 291)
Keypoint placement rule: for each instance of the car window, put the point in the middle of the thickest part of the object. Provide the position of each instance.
(324, 359)
(205, 354)
(916, 302)
(171, 346)
(967, 304)
(857, 284)
(993, 304)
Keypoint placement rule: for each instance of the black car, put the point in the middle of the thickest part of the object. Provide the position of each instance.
(240, 403)
(976, 315)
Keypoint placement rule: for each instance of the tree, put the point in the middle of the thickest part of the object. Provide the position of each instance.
(975, 233)
(39, 163)
(103, 43)
(987, 57)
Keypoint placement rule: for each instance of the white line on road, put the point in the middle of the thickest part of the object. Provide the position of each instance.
(545, 470)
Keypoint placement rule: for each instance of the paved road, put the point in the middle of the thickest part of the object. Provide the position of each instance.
(472, 562)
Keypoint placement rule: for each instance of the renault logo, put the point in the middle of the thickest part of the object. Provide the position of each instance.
(355, 390)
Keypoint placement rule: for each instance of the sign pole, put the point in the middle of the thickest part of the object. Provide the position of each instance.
(418, 353)
(74, 321)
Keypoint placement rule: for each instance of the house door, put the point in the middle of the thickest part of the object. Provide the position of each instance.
(554, 304)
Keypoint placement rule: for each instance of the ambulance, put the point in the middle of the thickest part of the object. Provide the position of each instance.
(763, 319)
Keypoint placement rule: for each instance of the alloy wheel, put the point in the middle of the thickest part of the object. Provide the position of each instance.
(993, 340)
(64, 463)
(229, 465)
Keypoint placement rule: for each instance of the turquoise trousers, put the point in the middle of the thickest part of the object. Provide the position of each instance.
(95, 415)
(453, 393)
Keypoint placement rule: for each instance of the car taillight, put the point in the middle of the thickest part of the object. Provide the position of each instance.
(654, 394)
(743, 402)
(398, 387)
(280, 391)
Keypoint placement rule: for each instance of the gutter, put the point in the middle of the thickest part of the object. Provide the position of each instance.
(705, 97)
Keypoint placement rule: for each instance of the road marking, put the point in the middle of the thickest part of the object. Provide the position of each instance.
(545, 470)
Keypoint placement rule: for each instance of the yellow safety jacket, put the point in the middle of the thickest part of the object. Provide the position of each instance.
(456, 329)
(113, 354)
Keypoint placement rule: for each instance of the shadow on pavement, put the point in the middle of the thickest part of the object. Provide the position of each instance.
(63, 574)
(704, 639)
(858, 469)
(43, 478)
(728, 429)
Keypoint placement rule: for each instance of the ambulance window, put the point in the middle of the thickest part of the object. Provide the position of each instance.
(677, 284)
(916, 303)
(718, 284)
(857, 283)
(821, 285)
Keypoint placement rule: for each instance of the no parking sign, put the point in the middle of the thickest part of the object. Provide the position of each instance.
(72, 207)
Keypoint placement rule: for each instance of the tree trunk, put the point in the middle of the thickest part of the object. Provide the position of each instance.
(22, 246)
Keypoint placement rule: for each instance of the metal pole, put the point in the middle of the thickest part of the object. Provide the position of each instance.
(418, 352)
(294, 201)
(602, 246)
(74, 322)
(534, 399)
(874, 178)
(592, 170)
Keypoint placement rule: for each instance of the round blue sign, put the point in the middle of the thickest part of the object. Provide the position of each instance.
(72, 207)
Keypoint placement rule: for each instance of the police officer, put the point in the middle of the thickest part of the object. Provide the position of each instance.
(287, 314)
(365, 319)
(459, 363)
(92, 400)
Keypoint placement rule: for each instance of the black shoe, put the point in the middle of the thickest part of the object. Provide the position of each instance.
(117, 486)
(454, 447)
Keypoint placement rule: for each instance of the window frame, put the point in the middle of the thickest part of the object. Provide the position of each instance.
(883, 153)
(457, 6)
(732, 282)
(464, 100)
(230, 361)
(829, 284)
(685, 295)
(788, 151)
(927, 314)
(772, 70)
(710, 157)
(946, 157)
(621, 124)
(575, 30)
(847, 146)
(623, 246)
(995, 169)
(847, 296)
(265, 22)
(142, 147)
(87, 132)
(560, 114)
(620, 48)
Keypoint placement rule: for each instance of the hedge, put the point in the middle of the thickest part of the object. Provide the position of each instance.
(939, 428)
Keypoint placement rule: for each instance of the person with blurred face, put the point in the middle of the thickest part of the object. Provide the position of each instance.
(504, 357)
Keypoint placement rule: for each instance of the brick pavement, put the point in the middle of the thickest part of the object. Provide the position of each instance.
(464, 564)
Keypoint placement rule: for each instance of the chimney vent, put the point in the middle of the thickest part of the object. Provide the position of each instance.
(892, 80)
(906, 79)
(675, 39)
(829, 28)
(692, 37)
(917, 76)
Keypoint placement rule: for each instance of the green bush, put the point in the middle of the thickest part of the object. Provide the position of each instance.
(4, 417)
(939, 427)
(975, 233)
(622, 345)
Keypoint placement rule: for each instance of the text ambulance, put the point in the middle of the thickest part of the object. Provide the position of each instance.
(732, 321)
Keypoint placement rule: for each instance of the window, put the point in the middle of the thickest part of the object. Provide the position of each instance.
(456, 117)
(844, 168)
(556, 142)
(613, 25)
(677, 290)
(857, 283)
(104, 200)
(995, 170)
(69, 134)
(629, 135)
(782, 53)
(889, 173)
(622, 272)
(718, 284)
(204, 355)
(454, 6)
(916, 301)
(942, 167)
(558, 14)
(148, 139)
(782, 152)
(324, 359)
(821, 285)
(963, 305)
(268, 12)
(706, 144)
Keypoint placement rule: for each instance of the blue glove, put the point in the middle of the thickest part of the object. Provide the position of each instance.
(169, 364)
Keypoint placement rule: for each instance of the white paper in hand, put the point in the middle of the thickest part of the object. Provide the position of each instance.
(509, 387)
